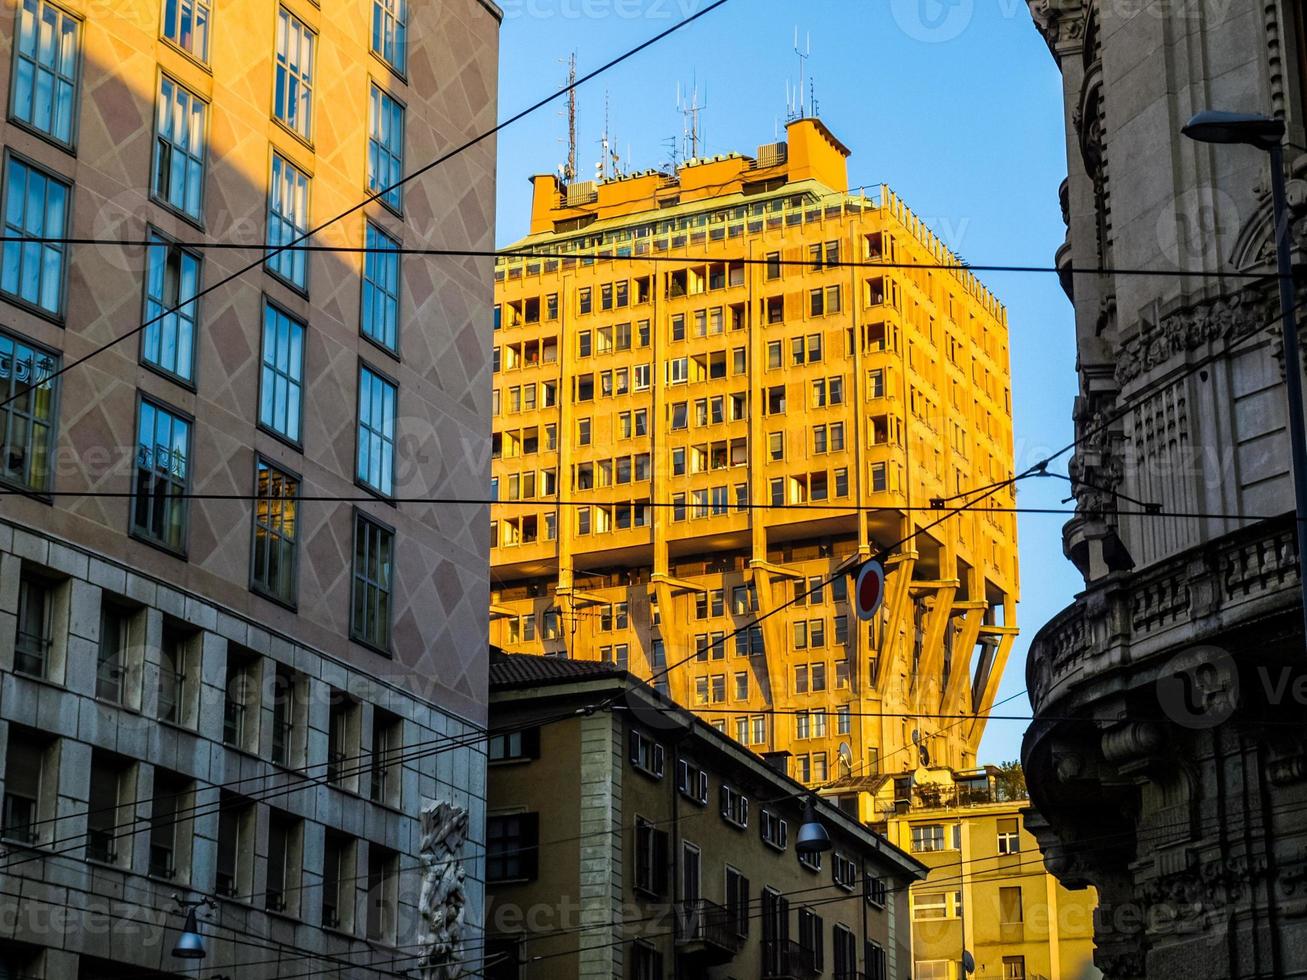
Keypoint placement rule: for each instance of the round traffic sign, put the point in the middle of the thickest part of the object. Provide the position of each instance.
(869, 592)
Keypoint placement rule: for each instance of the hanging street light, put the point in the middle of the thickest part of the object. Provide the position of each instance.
(812, 838)
(190, 944)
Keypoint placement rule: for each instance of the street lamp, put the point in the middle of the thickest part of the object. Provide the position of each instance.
(1267, 134)
(190, 944)
(813, 838)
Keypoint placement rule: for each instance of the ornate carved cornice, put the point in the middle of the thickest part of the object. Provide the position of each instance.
(1059, 21)
(1224, 319)
(1244, 569)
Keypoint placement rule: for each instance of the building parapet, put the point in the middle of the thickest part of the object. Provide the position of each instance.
(1130, 616)
(797, 205)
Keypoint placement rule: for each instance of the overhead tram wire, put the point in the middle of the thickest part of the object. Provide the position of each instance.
(970, 504)
(1036, 470)
(603, 705)
(667, 911)
(606, 704)
(846, 567)
(414, 752)
(1130, 405)
(143, 825)
(487, 936)
(592, 257)
(838, 898)
(388, 966)
(267, 252)
(982, 876)
(364, 762)
(1150, 510)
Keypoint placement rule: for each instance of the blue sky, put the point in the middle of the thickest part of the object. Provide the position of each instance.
(956, 104)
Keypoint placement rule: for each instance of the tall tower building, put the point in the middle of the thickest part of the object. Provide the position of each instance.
(751, 386)
(224, 630)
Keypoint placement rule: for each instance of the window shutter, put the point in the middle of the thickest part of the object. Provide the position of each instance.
(660, 861)
(744, 810)
(723, 795)
(635, 747)
(785, 834)
(529, 841)
(703, 787)
(957, 837)
(742, 923)
(819, 942)
(658, 758)
(531, 743)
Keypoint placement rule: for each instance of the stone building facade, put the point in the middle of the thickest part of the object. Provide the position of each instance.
(237, 656)
(987, 890)
(639, 842)
(1166, 761)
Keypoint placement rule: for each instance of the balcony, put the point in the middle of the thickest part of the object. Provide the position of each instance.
(707, 932)
(784, 959)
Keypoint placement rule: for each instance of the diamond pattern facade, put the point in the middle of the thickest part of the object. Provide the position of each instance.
(206, 661)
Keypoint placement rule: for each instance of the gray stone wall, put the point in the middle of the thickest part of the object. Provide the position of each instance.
(118, 909)
(1165, 762)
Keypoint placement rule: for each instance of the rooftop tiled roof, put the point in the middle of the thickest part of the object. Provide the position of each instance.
(520, 669)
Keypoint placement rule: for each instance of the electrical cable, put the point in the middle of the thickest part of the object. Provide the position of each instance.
(970, 504)
(143, 825)
(268, 252)
(1150, 510)
(593, 257)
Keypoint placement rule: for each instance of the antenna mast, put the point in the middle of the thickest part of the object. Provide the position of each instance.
(691, 133)
(569, 169)
(797, 109)
(608, 159)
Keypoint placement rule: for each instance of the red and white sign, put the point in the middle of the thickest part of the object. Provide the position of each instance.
(869, 592)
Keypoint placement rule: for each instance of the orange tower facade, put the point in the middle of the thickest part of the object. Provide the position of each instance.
(712, 389)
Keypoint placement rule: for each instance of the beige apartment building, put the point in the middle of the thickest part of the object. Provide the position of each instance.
(220, 619)
(639, 842)
(986, 890)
